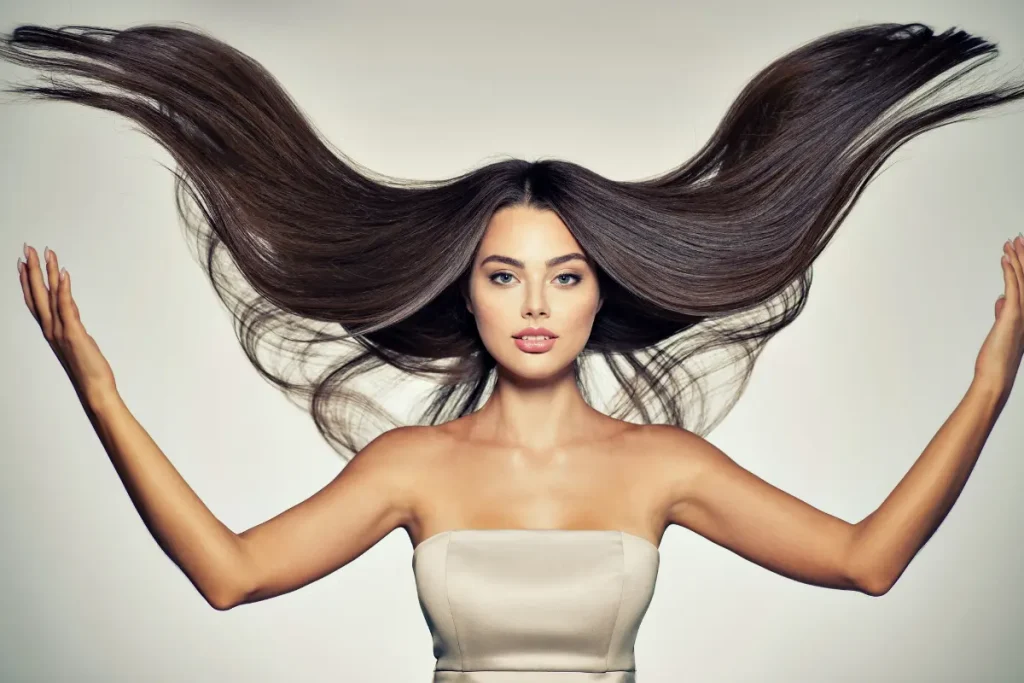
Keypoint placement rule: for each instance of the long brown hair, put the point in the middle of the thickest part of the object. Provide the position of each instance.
(714, 255)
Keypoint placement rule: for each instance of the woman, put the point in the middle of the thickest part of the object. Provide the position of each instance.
(518, 273)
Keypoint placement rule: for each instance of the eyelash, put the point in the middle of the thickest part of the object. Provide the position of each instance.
(579, 278)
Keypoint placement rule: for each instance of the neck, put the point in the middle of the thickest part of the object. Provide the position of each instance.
(534, 415)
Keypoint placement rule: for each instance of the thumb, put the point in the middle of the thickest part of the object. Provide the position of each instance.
(1010, 292)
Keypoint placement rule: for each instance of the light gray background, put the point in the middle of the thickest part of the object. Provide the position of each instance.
(839, 408)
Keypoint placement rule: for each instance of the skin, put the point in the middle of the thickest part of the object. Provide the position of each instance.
(535, 456)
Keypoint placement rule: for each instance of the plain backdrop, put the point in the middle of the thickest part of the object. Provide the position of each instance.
(840, 405)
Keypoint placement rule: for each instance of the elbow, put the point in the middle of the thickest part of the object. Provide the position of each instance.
(874, 584)
(232, 585)
(219, 605)
(864, 571)
(223, 599)
(868, 579)
(876, 589)
(230, 589)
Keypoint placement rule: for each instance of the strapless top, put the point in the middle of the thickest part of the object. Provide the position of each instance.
(537, 605)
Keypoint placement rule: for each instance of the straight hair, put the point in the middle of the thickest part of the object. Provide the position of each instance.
(309, 250)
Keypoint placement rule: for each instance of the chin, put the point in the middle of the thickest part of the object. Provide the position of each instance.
(535, 366)
(537, 375)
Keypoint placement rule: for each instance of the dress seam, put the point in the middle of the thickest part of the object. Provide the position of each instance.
(618, 609)
(448, 598)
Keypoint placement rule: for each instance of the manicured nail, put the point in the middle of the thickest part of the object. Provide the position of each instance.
(24, 248)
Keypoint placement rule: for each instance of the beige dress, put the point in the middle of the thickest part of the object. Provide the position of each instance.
(534, 605)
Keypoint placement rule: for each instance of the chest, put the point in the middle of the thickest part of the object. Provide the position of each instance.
(585, 489)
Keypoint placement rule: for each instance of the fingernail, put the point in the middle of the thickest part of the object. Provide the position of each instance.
(24, 247)
(19, 266)
(46, 254)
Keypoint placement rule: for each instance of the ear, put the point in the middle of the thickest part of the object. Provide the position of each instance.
(600, 303)
(465, 297)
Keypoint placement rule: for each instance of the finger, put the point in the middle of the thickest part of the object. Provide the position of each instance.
(1018, 249)
(53, 277)
(74, 316)
(66, 307)
(1016, 270)
(26, 288)
(1010, 281)
(40, 296)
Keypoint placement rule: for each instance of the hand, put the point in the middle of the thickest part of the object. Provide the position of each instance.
(57, 314)
(1001, 353)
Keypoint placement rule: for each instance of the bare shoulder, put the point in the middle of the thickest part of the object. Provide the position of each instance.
(398, 457)
(401, 449)
(676, 457)
(670, 443)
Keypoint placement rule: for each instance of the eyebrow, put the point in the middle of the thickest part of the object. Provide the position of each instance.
(550, 262)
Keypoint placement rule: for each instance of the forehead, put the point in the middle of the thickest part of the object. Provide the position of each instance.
(527, 233)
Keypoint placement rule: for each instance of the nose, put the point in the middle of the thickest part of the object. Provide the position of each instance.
(535, 304)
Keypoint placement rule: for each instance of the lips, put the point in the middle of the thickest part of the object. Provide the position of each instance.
(535, 332)
(535, 345)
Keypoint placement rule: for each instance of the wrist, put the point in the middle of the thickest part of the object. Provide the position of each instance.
(993, 390)
(100, 399)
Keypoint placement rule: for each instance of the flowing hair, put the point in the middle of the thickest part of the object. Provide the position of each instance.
(301, 243)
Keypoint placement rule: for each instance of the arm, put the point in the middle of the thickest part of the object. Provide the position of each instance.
(889, 538)
(708, 493)
(716, 498)
(713, 496)
(365, 502)
(370, 497)
(203, 548)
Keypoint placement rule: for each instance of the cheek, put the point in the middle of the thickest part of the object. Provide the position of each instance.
(490, 316)
(581, 321)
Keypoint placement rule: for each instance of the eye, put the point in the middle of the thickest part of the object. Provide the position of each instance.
(497, 275)
(572, 275)
(494, 278)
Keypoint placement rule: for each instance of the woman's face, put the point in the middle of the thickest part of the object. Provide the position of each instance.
(529, 271)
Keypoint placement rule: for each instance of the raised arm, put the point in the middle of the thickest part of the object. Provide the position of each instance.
(369, 498)
(360, 506)
(710, 494)
(716, 498)
(372, 496)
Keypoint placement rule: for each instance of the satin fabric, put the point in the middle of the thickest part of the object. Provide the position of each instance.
(538, 605)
